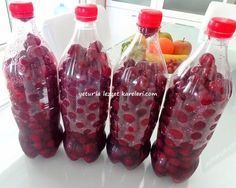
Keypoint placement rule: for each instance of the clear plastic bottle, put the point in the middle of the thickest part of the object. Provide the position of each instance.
(138, 86)
(30, 71)
(195, 100)
(84, 75)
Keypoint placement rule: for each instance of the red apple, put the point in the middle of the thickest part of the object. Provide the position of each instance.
(182, 47)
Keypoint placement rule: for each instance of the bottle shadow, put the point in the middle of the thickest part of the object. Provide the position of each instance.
(61, 172)
(117, 176)
(153, 181)
(58, 171)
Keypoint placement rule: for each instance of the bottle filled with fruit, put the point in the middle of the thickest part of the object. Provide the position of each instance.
(139, 83)
(84, 81)
(31, 75)
(195, 100)
(174, 51)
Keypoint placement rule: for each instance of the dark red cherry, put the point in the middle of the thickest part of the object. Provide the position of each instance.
(97, 45)
(141, 83)
(205, 97)
(133, 117)
(29, 75)
(191, 111)
(207, 60)
(31, 40)
(129, 63)
(83, 88)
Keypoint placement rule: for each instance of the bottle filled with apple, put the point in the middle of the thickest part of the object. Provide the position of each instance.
(198, 93)
(31, 75)
(138, 86)
(84, 82)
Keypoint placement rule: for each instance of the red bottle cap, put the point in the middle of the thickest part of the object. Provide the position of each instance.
(221, 27)
(149, 18)
(22, 10)
(86, 12)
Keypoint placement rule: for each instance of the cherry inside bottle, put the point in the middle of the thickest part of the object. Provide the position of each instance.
(84, 83)
(133, 114)
(30, 71)
(194, 103)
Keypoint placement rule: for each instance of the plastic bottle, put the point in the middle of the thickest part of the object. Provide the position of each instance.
(84, 75)
(30, 71)
(196, 98)
(138, 86)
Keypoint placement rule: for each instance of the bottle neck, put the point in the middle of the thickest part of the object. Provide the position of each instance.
(148, 32)
(85, 33)
(218, 47)
(24, 26)
(19, 35)
(216, 44)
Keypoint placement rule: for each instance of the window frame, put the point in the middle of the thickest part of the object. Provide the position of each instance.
(7, 26)
(179, 17)
(182, 17)
(121, 5)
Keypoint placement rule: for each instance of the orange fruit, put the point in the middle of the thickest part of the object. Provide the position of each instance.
(167, 46)
(152, 48)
